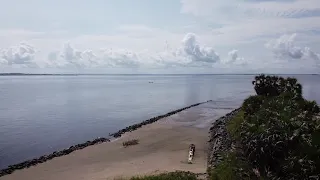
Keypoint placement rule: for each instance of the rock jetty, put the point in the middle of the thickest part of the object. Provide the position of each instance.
(152, 120)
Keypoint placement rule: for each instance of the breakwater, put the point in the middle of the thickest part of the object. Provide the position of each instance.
(152, 120)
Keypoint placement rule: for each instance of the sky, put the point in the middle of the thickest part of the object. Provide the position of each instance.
(160, 36)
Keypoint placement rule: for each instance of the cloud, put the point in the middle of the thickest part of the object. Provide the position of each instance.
(233, 55)
(200, 7)
(191, 49)
(120, 58)
(314, 56)
(189, 53)
(68, 56)
(233, 58)
(285, 8)
(257, 8)
(22, 54)
(234, 22)
(284, 48)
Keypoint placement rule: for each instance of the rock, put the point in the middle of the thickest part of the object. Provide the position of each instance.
(26, 164)
(219, 141)
(8, 171)
(151, 120)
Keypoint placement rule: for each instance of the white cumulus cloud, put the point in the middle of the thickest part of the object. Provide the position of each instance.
(191, 49)
(22, 54)
(233, 55)
(233, 58)
(189, 53)
(120, 58)
(314, 56)
(69, 56)
(285, 48)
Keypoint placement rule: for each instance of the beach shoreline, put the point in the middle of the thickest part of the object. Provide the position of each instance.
(45, 158)
(163, 147)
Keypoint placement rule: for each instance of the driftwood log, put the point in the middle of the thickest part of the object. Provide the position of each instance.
(192, 149)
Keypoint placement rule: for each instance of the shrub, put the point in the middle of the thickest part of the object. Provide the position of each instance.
(278, 137)
(225, 170)
(233, 126)
(274, 86)
(232, 167)
(279, 133)
(252, 104)
(178, 175)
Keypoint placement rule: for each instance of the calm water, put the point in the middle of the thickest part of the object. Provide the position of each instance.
(41, 114)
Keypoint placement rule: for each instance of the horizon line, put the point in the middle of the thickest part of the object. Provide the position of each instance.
(79, 74)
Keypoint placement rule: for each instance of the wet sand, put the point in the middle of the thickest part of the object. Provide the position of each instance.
(163, 146)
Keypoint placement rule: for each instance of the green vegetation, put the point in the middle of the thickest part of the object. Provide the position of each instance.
(278, 131)
(270, 86)
(234, 124)
(178, 175)
(225, 170)
(232, 167)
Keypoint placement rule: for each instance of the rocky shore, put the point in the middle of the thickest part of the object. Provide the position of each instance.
(26, 164)
(219, 139)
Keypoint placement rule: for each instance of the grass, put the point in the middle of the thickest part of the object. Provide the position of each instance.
(233, 166)
(178, 175)
(225, 170)
(130, 142)
(233, 126)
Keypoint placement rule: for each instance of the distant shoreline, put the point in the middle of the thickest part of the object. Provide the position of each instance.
(67, 74)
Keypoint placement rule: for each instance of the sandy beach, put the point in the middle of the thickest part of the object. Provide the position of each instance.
(163, 146)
